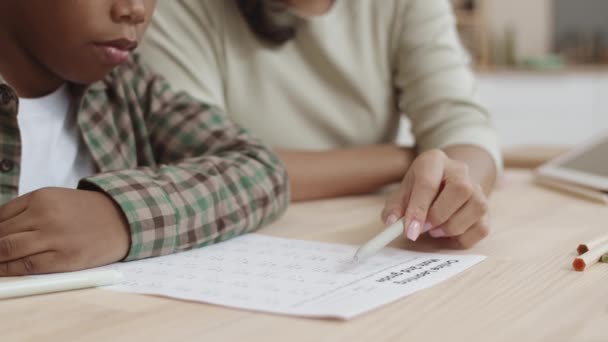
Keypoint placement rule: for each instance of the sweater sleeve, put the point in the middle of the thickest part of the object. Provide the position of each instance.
(437, 87)
(183, 44)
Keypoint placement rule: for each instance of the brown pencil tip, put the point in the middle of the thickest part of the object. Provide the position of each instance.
(578, 264)
(582, 249)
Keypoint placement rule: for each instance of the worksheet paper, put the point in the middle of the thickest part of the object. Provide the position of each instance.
(291, 277)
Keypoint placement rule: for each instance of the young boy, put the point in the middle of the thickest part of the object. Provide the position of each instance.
(99, 160)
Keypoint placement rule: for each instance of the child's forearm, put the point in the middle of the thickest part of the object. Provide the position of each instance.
(316, 175)
(198, 201)
(202, 178)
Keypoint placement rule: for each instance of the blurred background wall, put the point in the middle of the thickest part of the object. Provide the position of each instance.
(542, 67)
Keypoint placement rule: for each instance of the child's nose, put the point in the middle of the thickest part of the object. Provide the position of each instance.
(129, 11)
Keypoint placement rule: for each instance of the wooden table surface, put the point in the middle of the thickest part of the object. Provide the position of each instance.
(525, 290)
(532, 156)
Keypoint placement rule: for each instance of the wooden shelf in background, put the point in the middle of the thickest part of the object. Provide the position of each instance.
(473, 32)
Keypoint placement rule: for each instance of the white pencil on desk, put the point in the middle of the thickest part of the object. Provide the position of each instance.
(379, 241)
(35, 285)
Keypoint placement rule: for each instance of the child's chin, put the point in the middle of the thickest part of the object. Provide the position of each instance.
(91, 76)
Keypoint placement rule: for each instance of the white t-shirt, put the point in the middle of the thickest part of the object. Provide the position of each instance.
(53, 153)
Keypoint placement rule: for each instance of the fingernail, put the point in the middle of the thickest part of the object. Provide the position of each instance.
(391, 219)
(413, 231)
(437, 233)
(427, 227)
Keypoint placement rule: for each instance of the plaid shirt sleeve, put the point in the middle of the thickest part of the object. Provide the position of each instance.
(211, 180)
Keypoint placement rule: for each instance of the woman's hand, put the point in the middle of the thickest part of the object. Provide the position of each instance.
(439, 196)
(58, 230)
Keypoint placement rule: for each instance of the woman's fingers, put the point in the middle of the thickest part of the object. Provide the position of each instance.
(394, 207)
(437, 195)
(473, 211)
(457, 190)
(428, 175)
(471, 237)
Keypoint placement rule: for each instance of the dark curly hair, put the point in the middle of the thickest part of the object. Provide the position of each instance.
(269, 20)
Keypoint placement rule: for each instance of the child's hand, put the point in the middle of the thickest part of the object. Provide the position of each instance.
(58, 230)
(438, 196)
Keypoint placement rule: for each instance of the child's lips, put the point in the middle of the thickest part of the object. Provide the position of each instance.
(115, 52)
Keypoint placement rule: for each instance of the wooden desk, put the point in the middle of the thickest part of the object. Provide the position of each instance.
(532, 156)
(524, 291)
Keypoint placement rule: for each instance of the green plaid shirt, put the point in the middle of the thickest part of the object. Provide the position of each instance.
(184, 175)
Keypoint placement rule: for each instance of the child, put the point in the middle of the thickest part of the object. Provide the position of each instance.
(99, 160)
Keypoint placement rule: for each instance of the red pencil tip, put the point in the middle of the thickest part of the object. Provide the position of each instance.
(578, 264)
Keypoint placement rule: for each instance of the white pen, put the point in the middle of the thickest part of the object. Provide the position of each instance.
(35, 285)
(379, 241)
